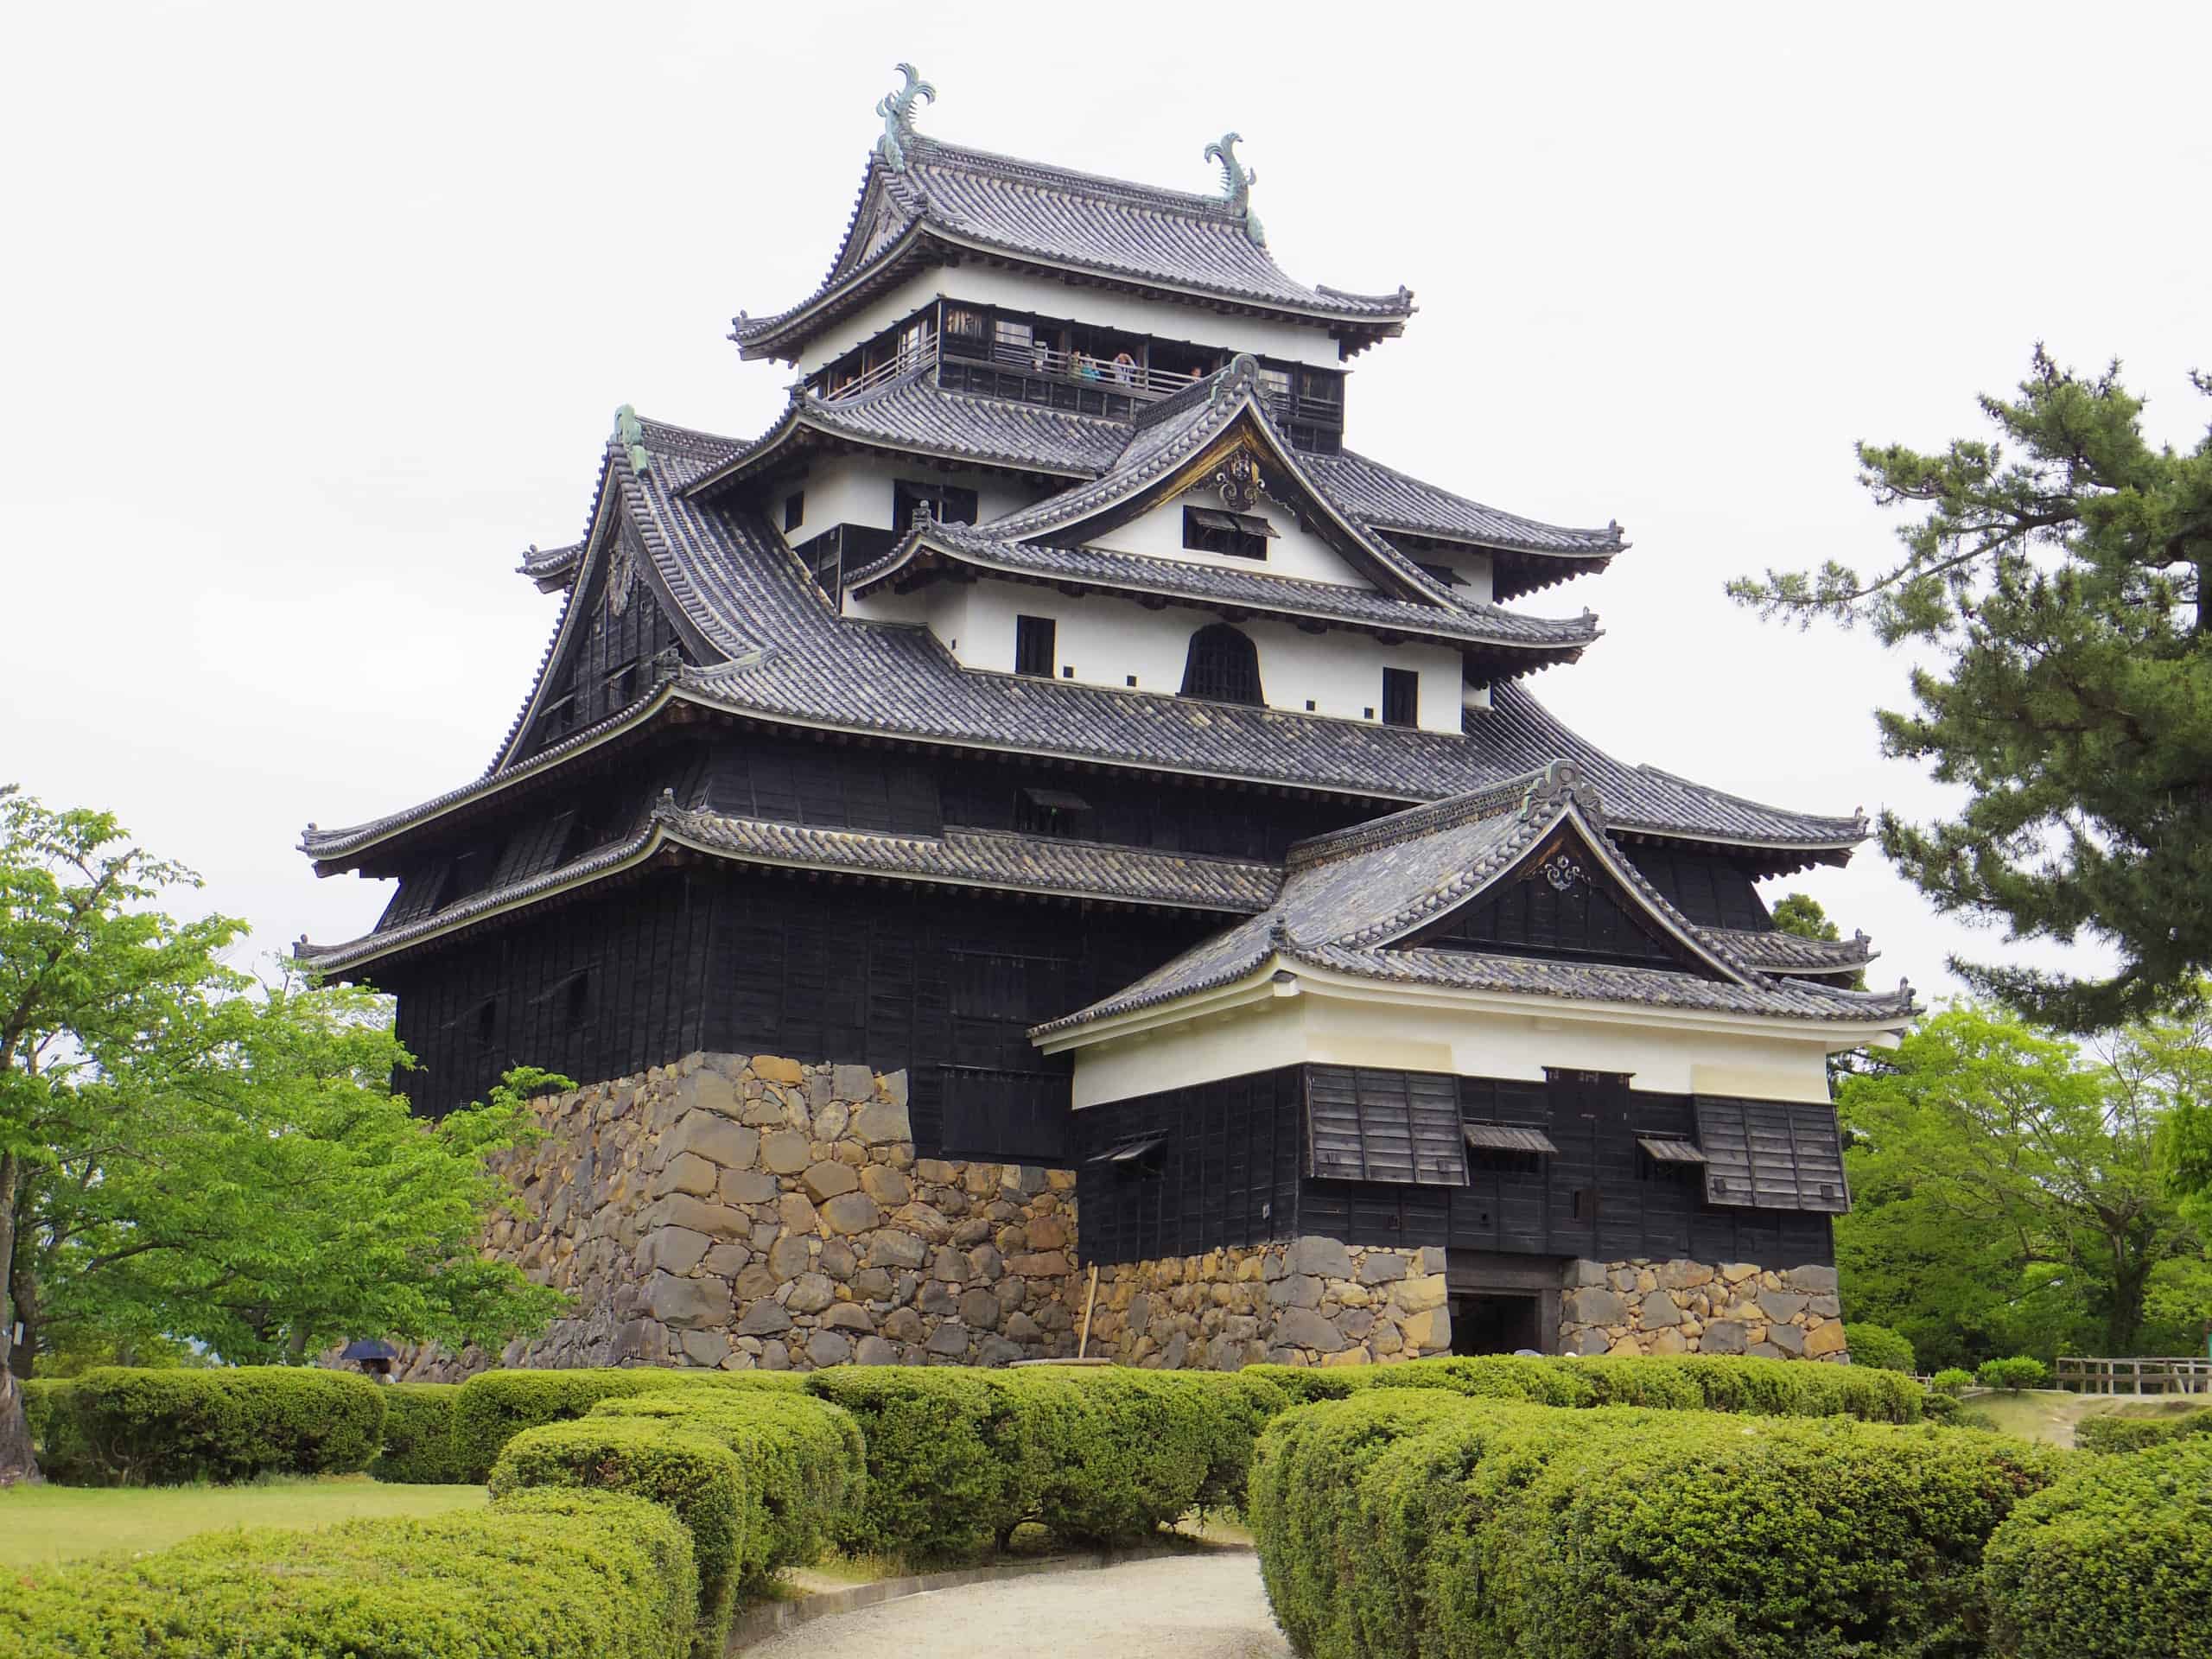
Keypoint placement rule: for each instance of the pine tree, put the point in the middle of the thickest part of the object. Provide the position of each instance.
(2060, 576)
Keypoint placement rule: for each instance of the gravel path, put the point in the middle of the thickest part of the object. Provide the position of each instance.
(1198, 1606)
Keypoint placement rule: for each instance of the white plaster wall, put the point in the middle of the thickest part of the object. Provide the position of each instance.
(1660, 1057)
(858, 489)
(1046, 298)
(1293, 552)
(1471, 568)
(1105, 640)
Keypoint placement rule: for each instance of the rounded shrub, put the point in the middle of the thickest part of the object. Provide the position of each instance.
(2115, 1433)
(418, 1448)
(699, 1479)
(949, 1475)
(1952, 1379)
(568, 1575)
(1878, 1347)
(2115, 1559)
(493, 1407)
(166, 1427)
(2017, 1373)
(804, 1463)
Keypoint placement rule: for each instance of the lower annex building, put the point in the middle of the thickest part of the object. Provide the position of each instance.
(1047, 833)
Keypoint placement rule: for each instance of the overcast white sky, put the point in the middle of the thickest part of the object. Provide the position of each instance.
(312, 317)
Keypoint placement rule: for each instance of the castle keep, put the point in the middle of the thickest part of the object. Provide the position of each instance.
(1049, 803)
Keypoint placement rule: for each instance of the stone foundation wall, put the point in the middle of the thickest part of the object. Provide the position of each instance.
(1308, 1301)
(1686, 1307)
(744, 1211)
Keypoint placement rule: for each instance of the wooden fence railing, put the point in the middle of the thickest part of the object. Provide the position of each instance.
(2161, 1376)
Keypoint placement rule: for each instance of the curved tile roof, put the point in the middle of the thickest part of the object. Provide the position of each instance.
(1153, 237)
(1391, 500)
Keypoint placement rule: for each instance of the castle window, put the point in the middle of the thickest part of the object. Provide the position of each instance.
(1224, 666)
(1034, 645)
(486, 1024)
(1240, 534)
(1051, 812)
(1400, 697)
(948, 506)
(794, 509)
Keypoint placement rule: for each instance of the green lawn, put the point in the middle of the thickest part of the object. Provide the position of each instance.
(41, 1525)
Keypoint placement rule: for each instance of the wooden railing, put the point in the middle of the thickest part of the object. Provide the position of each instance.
(2159, 1376)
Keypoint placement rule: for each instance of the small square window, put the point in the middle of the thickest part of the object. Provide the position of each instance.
(1034, 645)
(1400, 697)
(794, 509)
(1067, 671)
(1132, 679)
(1240, 534)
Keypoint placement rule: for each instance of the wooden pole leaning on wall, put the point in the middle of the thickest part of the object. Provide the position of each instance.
(1083, 1339)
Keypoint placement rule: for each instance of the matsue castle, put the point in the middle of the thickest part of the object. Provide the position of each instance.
(1048, 845)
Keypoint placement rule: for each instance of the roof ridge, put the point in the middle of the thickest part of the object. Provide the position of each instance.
(923, 149)
(1531, 795)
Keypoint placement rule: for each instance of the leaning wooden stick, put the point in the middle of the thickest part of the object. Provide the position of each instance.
(1083, 1338)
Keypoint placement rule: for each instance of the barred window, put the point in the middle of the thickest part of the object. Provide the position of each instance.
(1222, 666)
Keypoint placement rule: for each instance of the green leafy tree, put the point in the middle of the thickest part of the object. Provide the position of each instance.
(2007, 1191)
(186, 1159)
(2058, 578)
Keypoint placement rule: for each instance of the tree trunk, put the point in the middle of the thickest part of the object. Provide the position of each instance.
(18, 1463)
(24, 1358)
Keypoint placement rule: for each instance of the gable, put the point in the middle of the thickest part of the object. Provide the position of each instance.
(1561, 900)
(1287, 547)
(621, 639)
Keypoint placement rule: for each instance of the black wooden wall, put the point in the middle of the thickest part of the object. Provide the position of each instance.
(609, 661)
(944, 985)
(1232, 1169)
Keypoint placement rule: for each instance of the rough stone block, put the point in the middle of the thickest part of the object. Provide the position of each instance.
(1303, 1328)
(709, 1091)
(851, 1212)
(892, 1249)
(1668, 1342)
(880, 1121)
(1382, 1269)
(1722, 1337)
(786, 1152)
(885, 1186)
(1680, 1274)
(1781, 1306)
(1038, 1264)
(1658, 1311)
(774, 1356)
(755, 1281)
(874, 1351)
(828, 1348)
(672, 1250)
(997, 1351)
(687, 1303)
(715, 1138)
(853, 1081)
(1019, 1327)
(1045, 1233)
(837, 1259)
(1315, 1255)
(1813, 1280)
(848, 1316)
(870, 1284)
(1416, 1294)
(832, 1120)
(764, 1319)
(1304, 1290)
(948, 1338)
(705, 1347)
(924, 1221)
(681, 1210)
(796, 1210)
(788, 1257)
(1593, 1305)
(1789, 1338)
(773, 1068)
(825, 1181)
(747, 1186)
(687, 1173)
(810, 1294)
(980, 1308)
(1428, 1332)
(1825, 1339)
(1735, 1272)
(726, 1260)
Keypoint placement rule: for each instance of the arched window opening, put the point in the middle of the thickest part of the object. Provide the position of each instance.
(1222, 666)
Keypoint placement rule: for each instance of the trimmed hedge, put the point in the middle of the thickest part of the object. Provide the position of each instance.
(2114, 1433)
(695, 1478)
(55, 1440)
(1878, 1347)
(957, 1459)
(418, 1447)
(1774, 1387)
(496, 1405)
(805, 1469)
(1394, 1523)
(541, 1576)
(166, 1427)
(2021, 1371)
(2115, 1560)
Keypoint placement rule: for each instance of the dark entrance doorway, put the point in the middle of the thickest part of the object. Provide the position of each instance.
(1495, 1323)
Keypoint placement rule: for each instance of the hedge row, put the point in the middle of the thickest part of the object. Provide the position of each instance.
(1771, 1388)
(758, 1480)
(958, 1459)
(418, 1448)
(2139, 1433)
(1401, 1523)
(541, 1575)
(118, 1426)
(493, 1407)
(2115, 1561)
